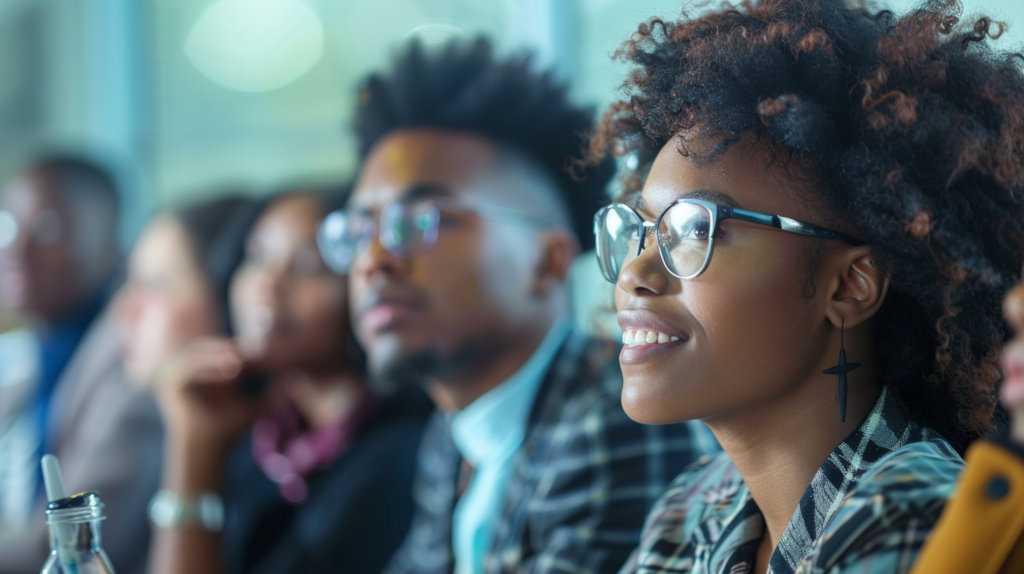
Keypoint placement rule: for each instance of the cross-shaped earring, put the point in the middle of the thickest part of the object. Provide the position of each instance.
(841, 369)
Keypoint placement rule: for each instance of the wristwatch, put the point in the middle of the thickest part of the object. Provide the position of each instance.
(168, 509)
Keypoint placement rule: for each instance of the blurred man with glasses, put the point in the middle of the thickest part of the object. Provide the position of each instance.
(458, 242)
(61, 386)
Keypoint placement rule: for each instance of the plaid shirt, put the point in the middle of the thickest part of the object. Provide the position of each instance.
(585, 477)
(869, 508)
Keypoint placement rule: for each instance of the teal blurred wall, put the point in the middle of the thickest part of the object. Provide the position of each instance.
(112, 77)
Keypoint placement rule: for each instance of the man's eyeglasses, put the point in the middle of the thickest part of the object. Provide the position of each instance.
(685, 234)
(403, 228)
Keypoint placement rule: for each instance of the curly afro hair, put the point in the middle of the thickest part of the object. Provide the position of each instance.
(912, 128)
(462, 87)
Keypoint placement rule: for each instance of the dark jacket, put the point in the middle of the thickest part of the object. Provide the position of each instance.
(356, 513)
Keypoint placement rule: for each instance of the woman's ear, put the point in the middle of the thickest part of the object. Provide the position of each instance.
(558, 250)
(857, 288)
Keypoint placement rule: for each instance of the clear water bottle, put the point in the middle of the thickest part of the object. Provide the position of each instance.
(75, 536)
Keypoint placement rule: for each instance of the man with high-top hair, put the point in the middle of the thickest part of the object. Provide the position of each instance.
(458, 242)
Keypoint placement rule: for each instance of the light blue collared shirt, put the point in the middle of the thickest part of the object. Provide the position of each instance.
(488, 433)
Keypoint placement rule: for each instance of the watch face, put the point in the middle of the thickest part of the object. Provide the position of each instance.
(170, 510)
(165, 509)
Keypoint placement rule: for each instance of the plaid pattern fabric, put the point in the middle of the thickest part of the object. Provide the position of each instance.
(585, 477)
(869, 508)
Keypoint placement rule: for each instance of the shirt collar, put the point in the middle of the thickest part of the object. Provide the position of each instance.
(494, 425)
(887, 427)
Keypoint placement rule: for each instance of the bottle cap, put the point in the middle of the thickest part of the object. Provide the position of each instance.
(84, 506)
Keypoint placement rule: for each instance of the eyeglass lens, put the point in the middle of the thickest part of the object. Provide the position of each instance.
(404, 228)
(683, 237)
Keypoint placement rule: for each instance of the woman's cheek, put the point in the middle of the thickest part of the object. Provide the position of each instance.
(316, 306)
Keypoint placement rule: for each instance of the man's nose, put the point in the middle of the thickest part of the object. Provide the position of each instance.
(376, 258)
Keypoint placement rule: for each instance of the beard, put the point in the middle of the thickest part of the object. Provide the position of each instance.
(406, 369)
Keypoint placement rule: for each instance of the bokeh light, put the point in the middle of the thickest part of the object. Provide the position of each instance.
(256, 45)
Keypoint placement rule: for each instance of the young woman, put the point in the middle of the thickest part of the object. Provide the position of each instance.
(321, 481)
(829, 217)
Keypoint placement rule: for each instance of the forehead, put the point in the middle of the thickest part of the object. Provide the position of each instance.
(746, 172)
(300, 211)
(286, 222)
(410, 158)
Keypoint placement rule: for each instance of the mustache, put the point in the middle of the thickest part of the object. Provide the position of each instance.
(392, 292)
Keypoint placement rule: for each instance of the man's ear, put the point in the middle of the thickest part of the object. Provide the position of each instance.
(857, 288)
(558, 249)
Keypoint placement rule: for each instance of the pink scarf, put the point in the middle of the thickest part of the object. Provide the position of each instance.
(289, 450)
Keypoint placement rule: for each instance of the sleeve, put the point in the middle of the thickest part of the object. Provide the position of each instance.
(599, 493)
(982, 527)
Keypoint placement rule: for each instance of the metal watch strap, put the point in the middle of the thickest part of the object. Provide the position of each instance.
(168, 509)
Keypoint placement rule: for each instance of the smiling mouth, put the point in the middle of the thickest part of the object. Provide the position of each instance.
(638, 337)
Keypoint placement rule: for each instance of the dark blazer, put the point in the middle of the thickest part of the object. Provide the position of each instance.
(357, 511)
(585, 477)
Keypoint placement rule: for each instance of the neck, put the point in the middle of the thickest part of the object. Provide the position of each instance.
(457, 393)
(779, 444)
(324, 398)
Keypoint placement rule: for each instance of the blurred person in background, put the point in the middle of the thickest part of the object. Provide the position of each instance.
(62, 390)
(279, 459)
(982, 528)
(459, 238)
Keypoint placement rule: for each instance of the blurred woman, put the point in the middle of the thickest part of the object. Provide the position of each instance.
(177, 284)
(810, 257)
(321, 481)
(982, 528)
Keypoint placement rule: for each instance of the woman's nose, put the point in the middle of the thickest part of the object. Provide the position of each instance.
(645, 275)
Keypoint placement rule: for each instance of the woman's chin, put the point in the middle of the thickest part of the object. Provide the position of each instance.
(650, 409)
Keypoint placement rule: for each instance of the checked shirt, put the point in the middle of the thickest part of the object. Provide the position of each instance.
(869, 508)
(585, 477)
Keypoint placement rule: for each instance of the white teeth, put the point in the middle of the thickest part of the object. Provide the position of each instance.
(636, 337)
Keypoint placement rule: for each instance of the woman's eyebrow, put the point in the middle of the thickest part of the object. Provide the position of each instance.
(712, 196)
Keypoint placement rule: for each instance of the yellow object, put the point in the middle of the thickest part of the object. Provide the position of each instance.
(981, 531)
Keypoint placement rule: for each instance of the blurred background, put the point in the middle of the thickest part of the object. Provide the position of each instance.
(190, 97)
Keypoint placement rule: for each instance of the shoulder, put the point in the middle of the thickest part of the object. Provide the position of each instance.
(917, 474)
(399, 421)
(885, 519)
(19, 364)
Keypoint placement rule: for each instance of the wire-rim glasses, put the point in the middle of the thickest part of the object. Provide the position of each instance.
(685, 234)
(403, 228)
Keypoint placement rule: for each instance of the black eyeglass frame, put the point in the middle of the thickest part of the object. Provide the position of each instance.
(718, 213)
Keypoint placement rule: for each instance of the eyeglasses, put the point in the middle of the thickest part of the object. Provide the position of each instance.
(403, 228)
(685, 233)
